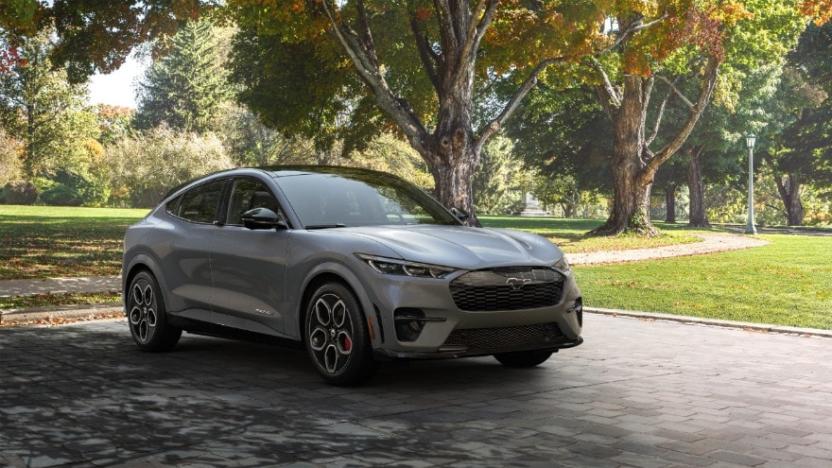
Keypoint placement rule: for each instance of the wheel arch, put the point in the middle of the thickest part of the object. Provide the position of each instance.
(142, 262)
(337, 273)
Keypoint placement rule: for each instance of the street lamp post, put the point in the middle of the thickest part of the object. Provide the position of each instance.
(750, 139)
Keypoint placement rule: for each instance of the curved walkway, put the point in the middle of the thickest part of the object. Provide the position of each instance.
(710, 243)
(83, 284)
(96, 284)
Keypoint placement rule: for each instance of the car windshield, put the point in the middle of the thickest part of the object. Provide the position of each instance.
(328, 200)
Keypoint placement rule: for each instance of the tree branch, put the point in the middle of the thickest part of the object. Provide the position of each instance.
(459, 18)
(646, 96)
(646, 93)
(497, 123)
(605, 101)
(446, 27)
(676, 90)
(610, 92)
(430, 60)
(635, 26)
(659, 117)
(366, 35)
(708, 83)
(397, 108)
(485, 22)
(478, 23)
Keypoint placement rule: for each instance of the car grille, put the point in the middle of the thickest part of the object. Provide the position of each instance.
(504, 339)
(507, 289)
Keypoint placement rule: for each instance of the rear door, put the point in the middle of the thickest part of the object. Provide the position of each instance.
(187, 265)
(249, 266)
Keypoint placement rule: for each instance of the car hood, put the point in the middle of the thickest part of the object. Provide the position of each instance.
(463, 247)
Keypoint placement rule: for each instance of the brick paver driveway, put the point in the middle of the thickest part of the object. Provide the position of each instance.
(636, 393)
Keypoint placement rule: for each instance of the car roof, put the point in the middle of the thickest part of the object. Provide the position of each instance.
(286, 171)
(295, 170)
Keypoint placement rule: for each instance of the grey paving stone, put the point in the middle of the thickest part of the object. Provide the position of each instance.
(636, 394)
(736, 458)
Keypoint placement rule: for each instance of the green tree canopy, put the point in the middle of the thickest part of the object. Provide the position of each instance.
(795, 122)
(187, 87)
(39, 106)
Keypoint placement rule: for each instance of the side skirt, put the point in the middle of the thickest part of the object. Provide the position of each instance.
(198, 327)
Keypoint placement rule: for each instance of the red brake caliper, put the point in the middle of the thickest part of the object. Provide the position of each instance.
(347, 343)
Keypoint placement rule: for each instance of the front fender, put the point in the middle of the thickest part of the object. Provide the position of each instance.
(352, 280)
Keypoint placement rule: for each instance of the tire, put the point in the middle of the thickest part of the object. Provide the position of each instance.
(336, 336)
(146, 315)
(524, 359)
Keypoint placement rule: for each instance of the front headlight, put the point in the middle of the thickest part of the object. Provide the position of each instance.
(562, 264)
(393, 266)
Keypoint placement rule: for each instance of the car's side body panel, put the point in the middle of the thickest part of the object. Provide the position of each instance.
(249, 276)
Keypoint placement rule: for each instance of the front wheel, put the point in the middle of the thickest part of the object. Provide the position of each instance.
(522, 359)
(336, 336)
(146, 315)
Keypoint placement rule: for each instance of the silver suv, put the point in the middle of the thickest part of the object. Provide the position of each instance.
(355, 265)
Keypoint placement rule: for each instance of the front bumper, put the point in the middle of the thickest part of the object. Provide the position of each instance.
(452, 353)
(450, 332)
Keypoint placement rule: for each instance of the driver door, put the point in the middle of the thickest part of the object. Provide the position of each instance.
(249, 266)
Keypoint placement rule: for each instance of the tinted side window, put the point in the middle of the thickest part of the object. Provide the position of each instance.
(200, 203)
(248, 194)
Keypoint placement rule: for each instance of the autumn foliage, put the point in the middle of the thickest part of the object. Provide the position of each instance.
(819, 10)
(8, 59)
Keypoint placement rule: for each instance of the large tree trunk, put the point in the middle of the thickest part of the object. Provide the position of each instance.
(453, 187)
(630, 211)
(789, 189)
(631, 191)
(670, 203)
(634, 164)
(697, 216)
(452, 153)
(795, 211)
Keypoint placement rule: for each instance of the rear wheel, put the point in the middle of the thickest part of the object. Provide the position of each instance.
(146, 315)
(336, 336)
(523, 359)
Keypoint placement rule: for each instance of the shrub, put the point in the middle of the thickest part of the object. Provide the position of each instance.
(61, 195)
(143, 167)
(73, 189)
(19, 193)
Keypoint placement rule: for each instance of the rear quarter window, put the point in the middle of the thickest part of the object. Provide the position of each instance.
(200, 204)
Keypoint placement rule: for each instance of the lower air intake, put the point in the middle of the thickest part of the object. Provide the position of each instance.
(505, 339)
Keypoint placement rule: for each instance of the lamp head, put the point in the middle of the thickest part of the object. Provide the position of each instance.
(750, 139)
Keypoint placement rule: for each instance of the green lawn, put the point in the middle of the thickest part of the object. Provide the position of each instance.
(787, 282)
(570, 234)
(44, 241)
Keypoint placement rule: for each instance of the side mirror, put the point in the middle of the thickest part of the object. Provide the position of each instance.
(262, 218)
(461, 215)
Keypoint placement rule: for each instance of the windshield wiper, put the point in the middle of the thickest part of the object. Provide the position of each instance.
(325, 226)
